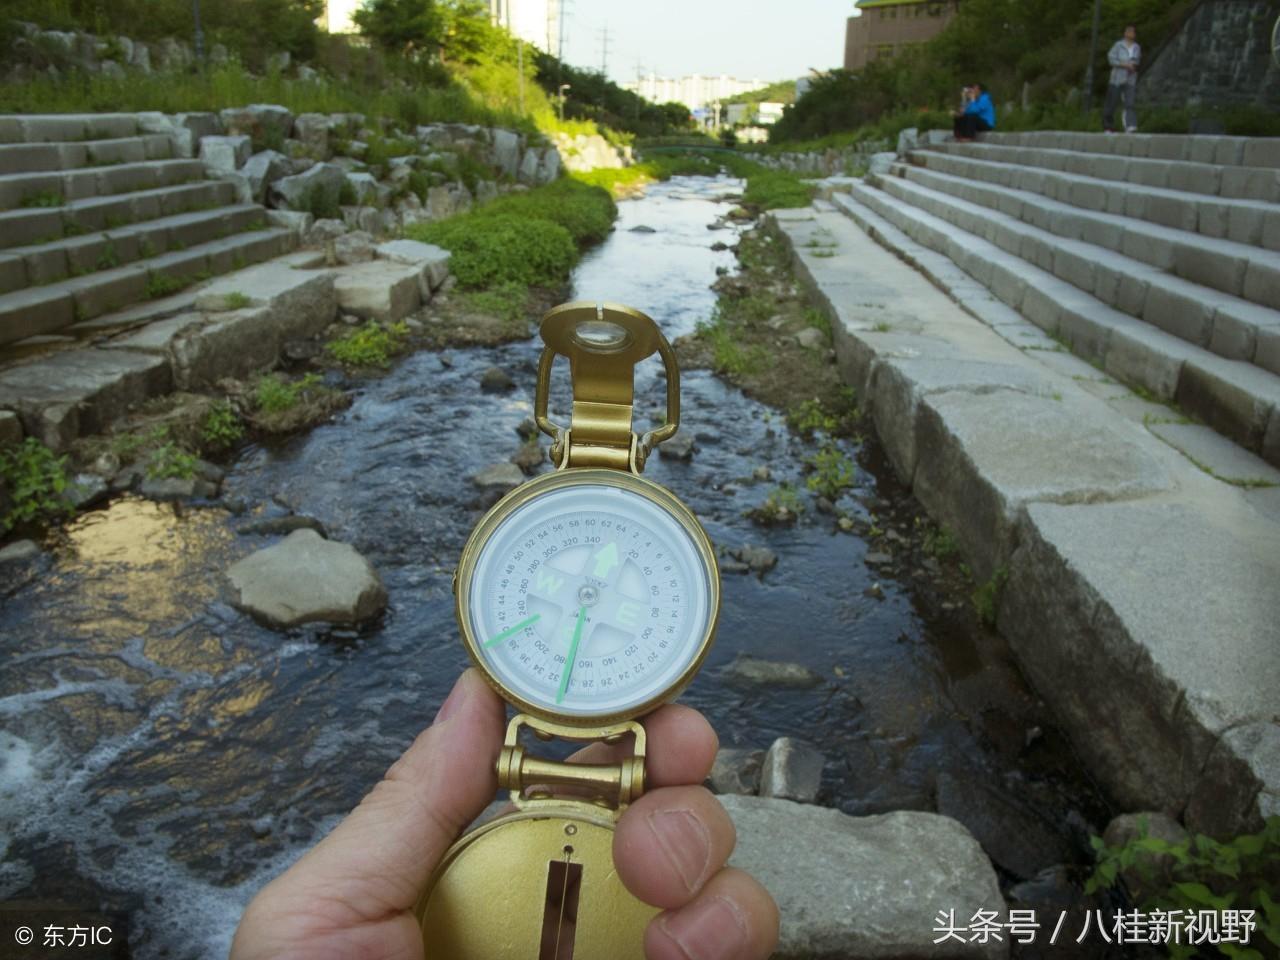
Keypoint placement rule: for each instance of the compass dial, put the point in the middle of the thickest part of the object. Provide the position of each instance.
(590, 600)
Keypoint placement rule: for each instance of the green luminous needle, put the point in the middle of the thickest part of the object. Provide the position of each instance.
(512, 630)
(573, 655)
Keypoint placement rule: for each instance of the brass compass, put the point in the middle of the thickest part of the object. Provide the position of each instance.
(587, 597)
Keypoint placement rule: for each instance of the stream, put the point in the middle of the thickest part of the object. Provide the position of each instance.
(162, 755)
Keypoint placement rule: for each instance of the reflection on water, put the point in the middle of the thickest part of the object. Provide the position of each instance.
(163, 754)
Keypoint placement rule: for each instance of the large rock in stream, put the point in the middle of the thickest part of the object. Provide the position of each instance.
(865, 887)
(306, 578)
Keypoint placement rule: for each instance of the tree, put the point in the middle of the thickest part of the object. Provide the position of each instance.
(411, 27)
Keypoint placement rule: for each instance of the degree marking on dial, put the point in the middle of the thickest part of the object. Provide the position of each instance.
(513, 630)
(573, 654)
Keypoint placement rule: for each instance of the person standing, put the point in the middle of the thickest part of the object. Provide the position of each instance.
(1124, 58)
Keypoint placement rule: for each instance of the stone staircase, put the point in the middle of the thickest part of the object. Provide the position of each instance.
(97, 215)
(1154, 258)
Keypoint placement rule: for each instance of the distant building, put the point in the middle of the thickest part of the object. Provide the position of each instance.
(694, 91)
(888, 26)
(535, 21)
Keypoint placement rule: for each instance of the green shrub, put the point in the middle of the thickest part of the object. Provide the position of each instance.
(35, 480)
(506, 301)
(171, 462)
(369, 346)
(986, 598)
(222, 427)
(1201, 873)
(728, 354)
(490, 249)
(586, 211)
(162, 285)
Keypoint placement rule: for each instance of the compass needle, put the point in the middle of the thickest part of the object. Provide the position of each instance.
(511, 631)
(573, 654)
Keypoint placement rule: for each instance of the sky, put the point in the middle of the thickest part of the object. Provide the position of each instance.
(768, 39)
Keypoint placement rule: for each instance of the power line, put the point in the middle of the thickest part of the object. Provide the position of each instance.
(604, 52)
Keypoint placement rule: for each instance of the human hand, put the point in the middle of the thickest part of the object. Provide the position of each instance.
(353, 894)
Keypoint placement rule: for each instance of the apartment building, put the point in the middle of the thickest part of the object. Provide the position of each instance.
(886, 27)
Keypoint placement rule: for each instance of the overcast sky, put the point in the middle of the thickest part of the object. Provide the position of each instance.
(768, 39)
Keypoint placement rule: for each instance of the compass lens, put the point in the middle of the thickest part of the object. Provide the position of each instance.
(590, 600)
(601, 335)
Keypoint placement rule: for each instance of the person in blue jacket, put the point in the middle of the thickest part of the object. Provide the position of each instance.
(978, 113)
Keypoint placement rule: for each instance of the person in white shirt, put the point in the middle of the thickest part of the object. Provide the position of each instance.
(1124, 58)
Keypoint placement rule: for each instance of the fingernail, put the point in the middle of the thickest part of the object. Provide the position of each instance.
(453, 701)
(712, 929)
(685, 841)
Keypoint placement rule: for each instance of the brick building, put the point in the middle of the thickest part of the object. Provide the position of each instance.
(887, 26)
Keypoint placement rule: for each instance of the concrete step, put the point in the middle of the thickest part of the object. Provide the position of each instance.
(1225, 151)
(1237, 399)
(48, 309)
(39, 225)
(1226, 324)
(1234, 268)
(1208, 179)
(45, 190)
(1244, 221)
(54, 157)
(67, 127)
(32, 266)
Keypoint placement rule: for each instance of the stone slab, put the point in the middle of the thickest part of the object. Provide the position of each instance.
(989, 455)
(1173, 599)
(866, 887)
(1214, 453)
(379, 290)
(75, 392)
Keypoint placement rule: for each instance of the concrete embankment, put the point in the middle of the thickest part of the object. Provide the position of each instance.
(1136, 589)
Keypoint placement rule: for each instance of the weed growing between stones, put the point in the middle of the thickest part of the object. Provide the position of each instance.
(1198, 874)
(283, 406)
(781, 507)
(32, 482)
(832, 472)
(45, 199)
(171, 462)
(222, 427)
(939, 542)
(236, 301)
(162, 285)
(986, 598)
(369, 346)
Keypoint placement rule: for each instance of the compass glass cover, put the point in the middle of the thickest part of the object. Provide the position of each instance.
(589, 600)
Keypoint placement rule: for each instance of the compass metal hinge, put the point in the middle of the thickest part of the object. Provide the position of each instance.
(533, 779)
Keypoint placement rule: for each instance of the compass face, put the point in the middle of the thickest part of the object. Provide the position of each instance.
(590, 600)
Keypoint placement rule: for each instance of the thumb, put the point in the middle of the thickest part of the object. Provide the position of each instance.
(378, 860)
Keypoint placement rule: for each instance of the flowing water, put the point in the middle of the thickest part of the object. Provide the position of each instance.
(163, 755)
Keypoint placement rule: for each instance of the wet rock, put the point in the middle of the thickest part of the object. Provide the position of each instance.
(875, 591)
(1050, 889)
(275, 526)
(500, 476)
(736, 770)
(107, 465)
(1159, 866)
(866, 887)
(845, 524)
(734, 566)
(762, 474)
(354, 247)
(773, 673)
(306, 578)
(678, 447)
(811, 338)
(297, 351)
(84, 490)
(719, 245)
(823, 505)
(1015, 838)
(10, 429)
(758, 559)
(529, 457)
(496, 380)
(792, 770)
(878, 559)
(177, 488)
(642, 228)
(20, 551)
(527, 428)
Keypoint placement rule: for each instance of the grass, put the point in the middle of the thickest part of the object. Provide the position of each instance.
(222, 427)
(782, 506)
(506, 301)
(236, 300)
(939, 542)
(46, 199)
(274, 394)
(162, 285)
(728, 354)
(489, 250)
(369, 346)
(831, 472)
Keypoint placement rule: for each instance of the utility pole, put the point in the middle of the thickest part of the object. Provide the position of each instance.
(195, 13)
(1093, 56)
(604, 52)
